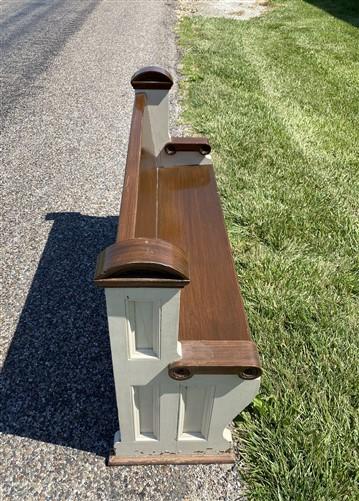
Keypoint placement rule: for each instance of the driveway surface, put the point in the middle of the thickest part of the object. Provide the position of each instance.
(66, 106)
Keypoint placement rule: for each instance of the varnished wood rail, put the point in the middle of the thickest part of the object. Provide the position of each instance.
(129, 201)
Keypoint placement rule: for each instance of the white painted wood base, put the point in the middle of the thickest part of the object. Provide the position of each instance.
(158, 415)
(189, 417)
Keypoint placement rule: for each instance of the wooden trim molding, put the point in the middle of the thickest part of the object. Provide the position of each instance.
(144, 259)
(217, 357)
(224, 458)
(152, 77)
(147, 280)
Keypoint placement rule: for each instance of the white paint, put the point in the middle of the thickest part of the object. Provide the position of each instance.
(143, 328)
(195, 411)
(146, 412)
(156, 413)
(133, 368)
(155, 132)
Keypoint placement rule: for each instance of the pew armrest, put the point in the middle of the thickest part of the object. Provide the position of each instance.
(216, 357)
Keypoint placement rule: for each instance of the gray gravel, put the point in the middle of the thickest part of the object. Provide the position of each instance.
(65, 116)
(233, 9)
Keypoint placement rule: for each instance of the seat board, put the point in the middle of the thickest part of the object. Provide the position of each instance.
(190, 217)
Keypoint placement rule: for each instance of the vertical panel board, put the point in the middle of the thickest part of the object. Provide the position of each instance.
(146, 415)
(195, 411)
(143, 328)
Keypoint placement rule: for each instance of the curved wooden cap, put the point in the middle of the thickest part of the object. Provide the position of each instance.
(142, 262)
(152, 77)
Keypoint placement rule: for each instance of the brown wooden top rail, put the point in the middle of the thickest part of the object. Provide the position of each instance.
(129, 201)
(172, 234)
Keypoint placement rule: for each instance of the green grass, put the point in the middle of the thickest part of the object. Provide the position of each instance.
(278, 96)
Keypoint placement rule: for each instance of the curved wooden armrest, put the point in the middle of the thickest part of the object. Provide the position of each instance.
(199, 144)
(142, 261)
(217, 357)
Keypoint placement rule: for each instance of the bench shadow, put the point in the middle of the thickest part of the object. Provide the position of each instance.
(347, 10)
(57, 382)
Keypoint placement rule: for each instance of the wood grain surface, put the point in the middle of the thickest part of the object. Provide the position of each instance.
(129, 201)
(191, 218)
(217, 357)
(143, 258)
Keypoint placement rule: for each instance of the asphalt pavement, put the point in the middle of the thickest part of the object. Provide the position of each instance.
(65, 116)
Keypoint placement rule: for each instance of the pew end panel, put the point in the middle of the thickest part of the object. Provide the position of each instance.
(183, 360)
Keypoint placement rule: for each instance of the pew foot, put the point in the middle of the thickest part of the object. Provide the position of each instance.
(223, 458)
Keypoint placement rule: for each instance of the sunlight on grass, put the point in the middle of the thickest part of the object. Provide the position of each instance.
(278, 97)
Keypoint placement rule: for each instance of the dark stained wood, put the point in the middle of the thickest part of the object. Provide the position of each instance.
(199, 144)
(129, 201)
(146, 218)
(191, 218)
(147, 280)
(152, 77)
(217, 357)
(142, 258)
(224, 458)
